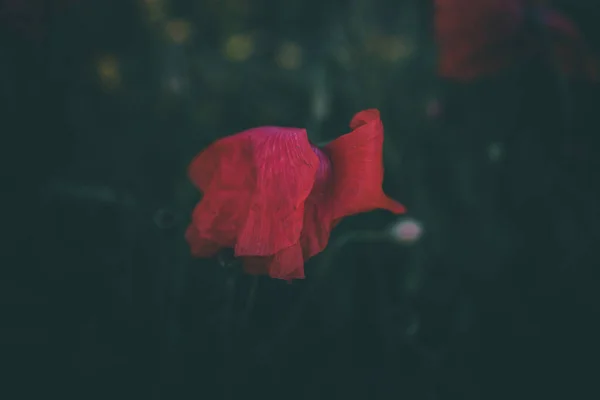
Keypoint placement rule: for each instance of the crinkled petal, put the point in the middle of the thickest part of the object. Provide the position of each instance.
(254, 186)
(286, 264)
(224, 172)
(199, 246)
(256, 265)
(285, 168)
(220, 159)
(357, 160)
(318, 209)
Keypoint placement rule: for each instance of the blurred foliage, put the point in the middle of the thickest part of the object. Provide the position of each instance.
(104, 103)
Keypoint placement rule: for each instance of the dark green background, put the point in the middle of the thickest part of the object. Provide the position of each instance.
(101, 300)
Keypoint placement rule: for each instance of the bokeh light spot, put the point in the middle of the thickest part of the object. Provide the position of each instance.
(178, 30)
(239, 47)
(289, 56)
(109, 72)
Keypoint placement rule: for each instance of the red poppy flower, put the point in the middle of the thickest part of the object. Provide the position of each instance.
(483, 37)
(274, 197)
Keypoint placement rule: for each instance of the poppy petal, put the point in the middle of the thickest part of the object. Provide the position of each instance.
(286, 264)
(318, 209)
(285, 168)
(357, 158)
(199, 246)
(256, 265)
(477, 38)
(484, 37)
(224, 173)
(219, 159)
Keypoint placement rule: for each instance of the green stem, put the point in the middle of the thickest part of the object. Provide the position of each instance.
(325, 270)
(249, 307)
(229, 335)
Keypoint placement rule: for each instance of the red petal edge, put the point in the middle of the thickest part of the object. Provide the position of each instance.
(286, 264)
(224, 172)
(357, 159)
(200, 247)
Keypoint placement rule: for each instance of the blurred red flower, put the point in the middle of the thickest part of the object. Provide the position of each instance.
(483, 37)
(274, 197)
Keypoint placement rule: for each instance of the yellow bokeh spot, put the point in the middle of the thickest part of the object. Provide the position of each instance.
(154, 10)
(239, 47)
(108, 71)
(397, 48)
(289, 56)
(178, 30)
(390, 48)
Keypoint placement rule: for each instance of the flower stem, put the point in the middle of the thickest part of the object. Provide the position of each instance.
(249, 306)
(236, 327)
(228, 335)
(324, 271)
